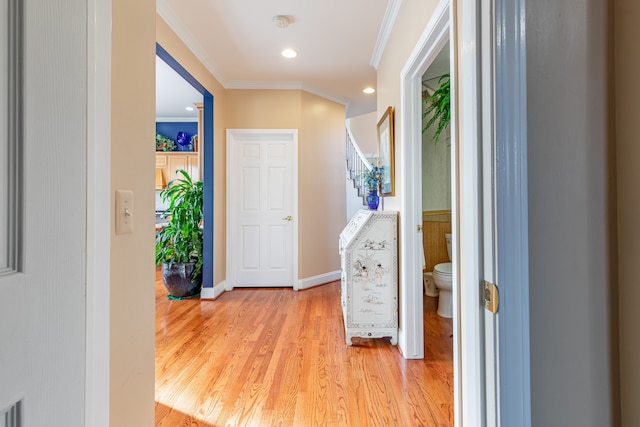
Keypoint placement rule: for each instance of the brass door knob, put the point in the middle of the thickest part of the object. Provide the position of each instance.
(287, 218)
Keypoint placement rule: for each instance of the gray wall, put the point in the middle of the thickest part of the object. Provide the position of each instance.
(571, 214)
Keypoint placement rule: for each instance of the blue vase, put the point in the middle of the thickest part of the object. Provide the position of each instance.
(373, 200)
(184, 144)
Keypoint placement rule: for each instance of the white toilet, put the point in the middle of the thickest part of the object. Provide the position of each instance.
(442, 277)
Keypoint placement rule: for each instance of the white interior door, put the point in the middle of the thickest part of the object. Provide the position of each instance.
(43, 99)
(262, 201)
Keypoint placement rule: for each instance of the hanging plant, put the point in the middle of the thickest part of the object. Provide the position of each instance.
(440, 105)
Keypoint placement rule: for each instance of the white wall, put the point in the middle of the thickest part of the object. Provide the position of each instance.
(570, 214)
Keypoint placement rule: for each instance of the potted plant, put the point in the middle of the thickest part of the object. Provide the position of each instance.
(179, 243)
(164, 143)
(372, 179)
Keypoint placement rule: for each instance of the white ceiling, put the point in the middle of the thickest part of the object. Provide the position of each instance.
(240, 44)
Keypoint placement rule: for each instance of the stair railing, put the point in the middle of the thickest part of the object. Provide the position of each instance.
(357, 164)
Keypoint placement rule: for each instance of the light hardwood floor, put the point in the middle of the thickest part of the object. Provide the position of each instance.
(277, 357)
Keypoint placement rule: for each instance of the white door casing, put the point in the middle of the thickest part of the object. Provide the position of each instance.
(98, 276)
(503, 203)
(262, 208)
(489, 206)
(487, 237)
(433, 39)
(458, 23)
(43, 305)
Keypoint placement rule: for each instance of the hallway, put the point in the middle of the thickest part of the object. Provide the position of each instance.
(265, 357)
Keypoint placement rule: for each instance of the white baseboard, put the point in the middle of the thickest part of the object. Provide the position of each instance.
(213, 293)
(321, 279)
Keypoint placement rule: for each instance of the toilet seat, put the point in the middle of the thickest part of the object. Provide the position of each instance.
(443, 269)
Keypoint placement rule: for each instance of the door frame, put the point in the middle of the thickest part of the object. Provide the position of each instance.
(433, 39)
(231, 261)
(462, 21)
(98, 281)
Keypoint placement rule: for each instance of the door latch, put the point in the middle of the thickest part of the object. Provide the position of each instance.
(490, 297)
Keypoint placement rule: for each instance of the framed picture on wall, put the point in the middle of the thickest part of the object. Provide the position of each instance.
(385, 141)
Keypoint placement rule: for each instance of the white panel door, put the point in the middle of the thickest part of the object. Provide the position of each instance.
(43, 134)
(262, 216)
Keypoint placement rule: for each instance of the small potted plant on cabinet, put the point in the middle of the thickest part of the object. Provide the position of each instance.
(372, 179)
(179, 243)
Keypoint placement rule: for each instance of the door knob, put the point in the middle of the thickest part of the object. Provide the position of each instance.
(287, 218)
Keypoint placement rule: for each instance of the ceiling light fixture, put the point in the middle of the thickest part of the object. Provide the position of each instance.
(368, 90)
(289, 53)
(281, 21)
(188, 108)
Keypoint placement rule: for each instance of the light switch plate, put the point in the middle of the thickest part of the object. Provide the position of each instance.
(124, 211)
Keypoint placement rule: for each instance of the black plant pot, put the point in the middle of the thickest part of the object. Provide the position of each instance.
(177, 280)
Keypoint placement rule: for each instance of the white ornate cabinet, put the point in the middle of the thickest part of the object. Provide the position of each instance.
(369, 263)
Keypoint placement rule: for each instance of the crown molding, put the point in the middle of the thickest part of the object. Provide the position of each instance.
(388, 21)
(176, 119)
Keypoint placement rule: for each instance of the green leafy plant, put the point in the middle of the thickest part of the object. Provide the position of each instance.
(164, 143)
(440, 105)
(180, 241)
(373, 178)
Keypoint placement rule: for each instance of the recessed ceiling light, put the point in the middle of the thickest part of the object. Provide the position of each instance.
(289, 53)
(368, 90)
(189, 108)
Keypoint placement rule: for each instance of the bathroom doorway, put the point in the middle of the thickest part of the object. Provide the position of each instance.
(435, 173)
(435, 181)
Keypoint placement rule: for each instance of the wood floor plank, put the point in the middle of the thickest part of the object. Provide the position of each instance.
(277, 357)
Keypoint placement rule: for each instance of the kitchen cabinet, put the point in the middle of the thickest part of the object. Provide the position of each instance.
(368, 248)
(167, 163)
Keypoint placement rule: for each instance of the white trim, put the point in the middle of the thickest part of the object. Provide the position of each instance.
(214, 292)
(467, 157)
(388, 21)
(230, 282)
(321, 279)
(433, 39)
(98, 177)
(177, 119)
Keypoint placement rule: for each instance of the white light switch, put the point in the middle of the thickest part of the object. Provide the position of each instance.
(124, 211)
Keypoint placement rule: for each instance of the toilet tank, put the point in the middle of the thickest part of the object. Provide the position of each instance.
(448, 238)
